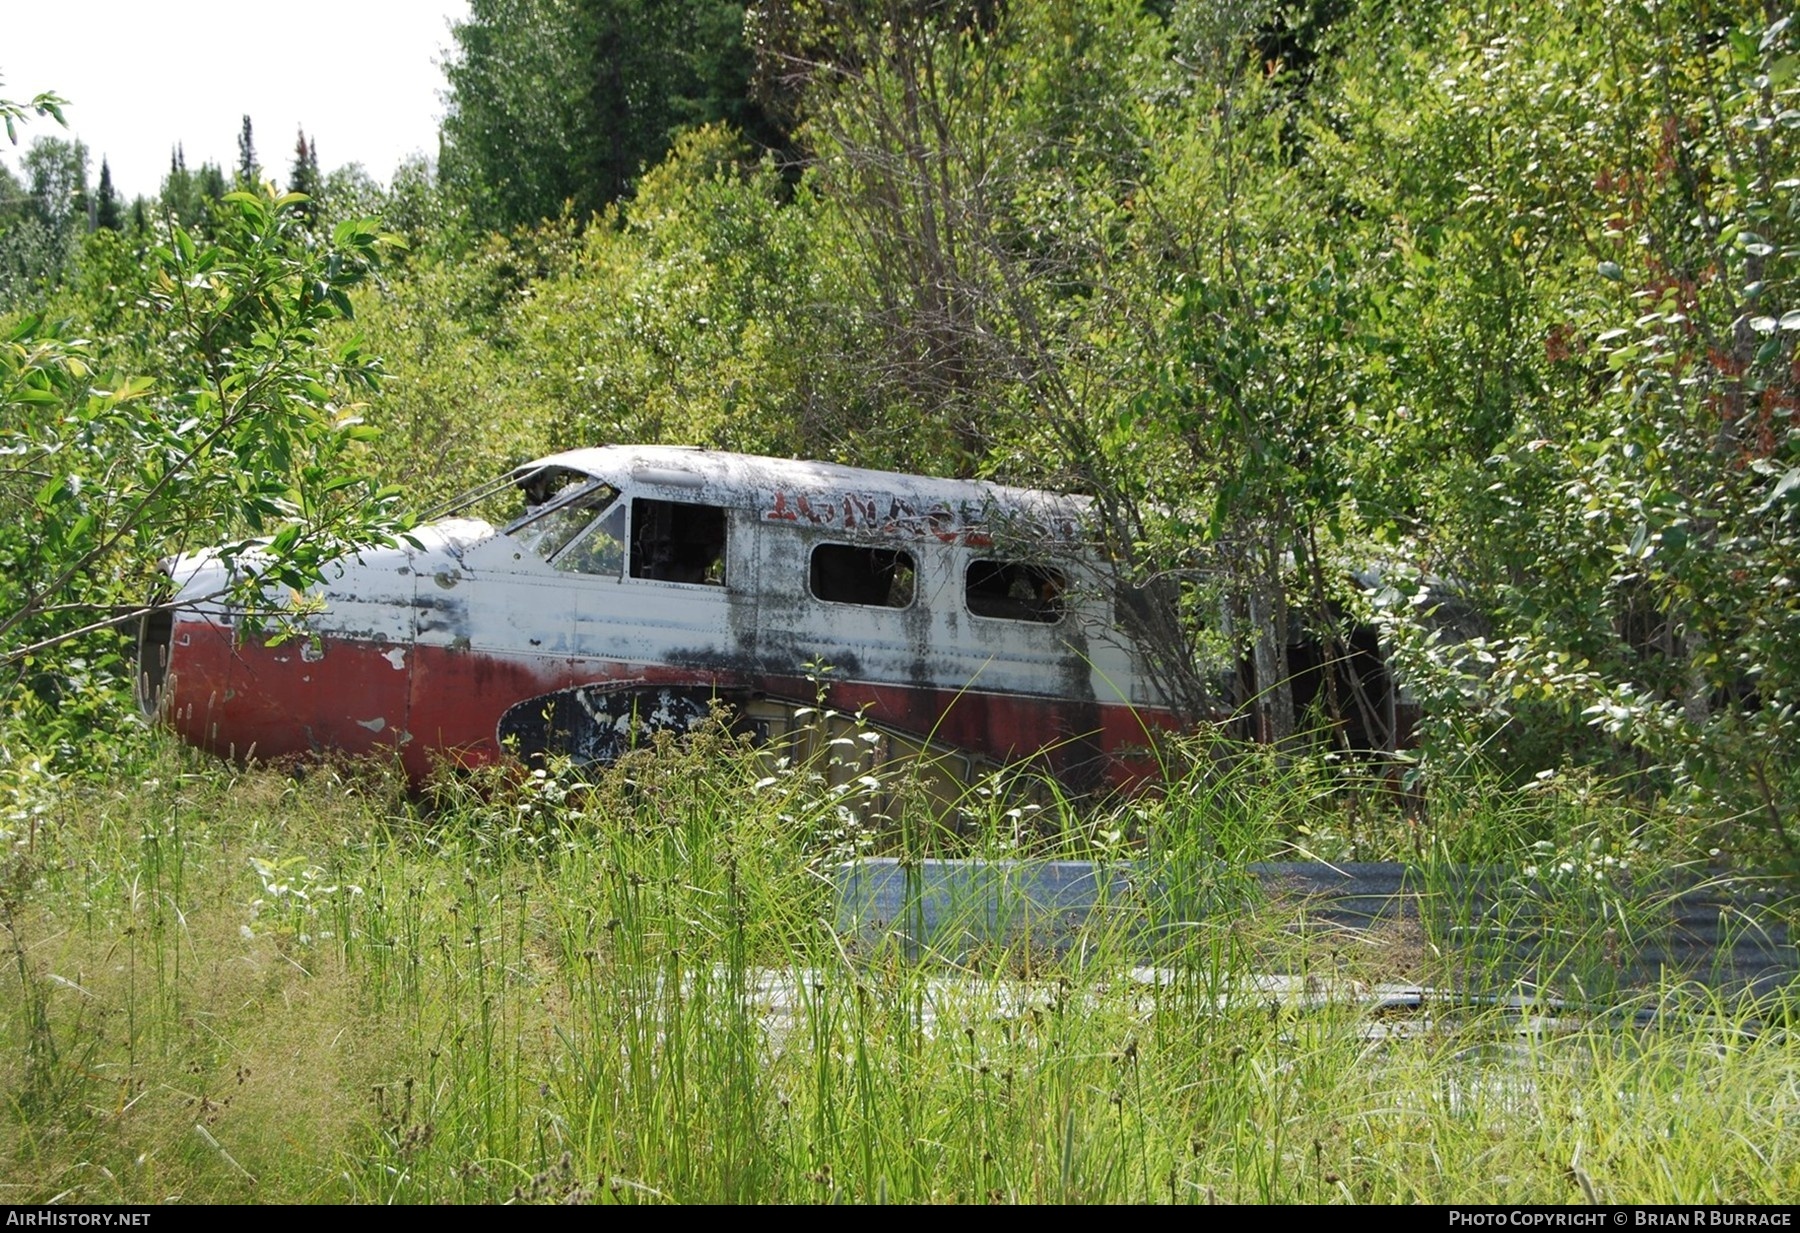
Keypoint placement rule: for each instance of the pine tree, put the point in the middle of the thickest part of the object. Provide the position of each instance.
(187, 194)
(305, 178)
(178, 186)
(211, 183)
(249, 171)
(106, 206)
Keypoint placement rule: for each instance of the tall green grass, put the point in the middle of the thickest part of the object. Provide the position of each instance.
(266, 986)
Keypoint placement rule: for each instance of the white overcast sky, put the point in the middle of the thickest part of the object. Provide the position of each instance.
(363, 77)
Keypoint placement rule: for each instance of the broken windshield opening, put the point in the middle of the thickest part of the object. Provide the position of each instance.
(548, 486)
(498, 500)
(559, 505)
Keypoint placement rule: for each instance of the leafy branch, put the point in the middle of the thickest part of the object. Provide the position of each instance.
(247, 435)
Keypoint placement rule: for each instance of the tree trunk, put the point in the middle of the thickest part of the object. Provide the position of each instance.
(1274, 708)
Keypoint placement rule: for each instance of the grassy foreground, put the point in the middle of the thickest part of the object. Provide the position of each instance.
(247, 986)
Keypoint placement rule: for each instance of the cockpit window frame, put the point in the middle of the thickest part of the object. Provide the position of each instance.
(580, 487)
(539, 483)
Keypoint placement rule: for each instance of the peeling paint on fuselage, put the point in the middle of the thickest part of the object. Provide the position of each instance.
(451, 640)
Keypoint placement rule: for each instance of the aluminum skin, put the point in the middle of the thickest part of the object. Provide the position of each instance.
(642, 584)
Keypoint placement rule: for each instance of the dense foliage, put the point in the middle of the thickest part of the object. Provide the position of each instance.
(211, 413)
(562, 104)
(1493, 306)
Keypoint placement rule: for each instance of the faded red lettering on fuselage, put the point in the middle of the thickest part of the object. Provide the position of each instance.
(973, 528)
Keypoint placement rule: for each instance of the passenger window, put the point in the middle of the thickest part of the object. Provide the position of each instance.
(1015, 591)
(876, 577)
(673, 542)
(601, 551)
(548, 533)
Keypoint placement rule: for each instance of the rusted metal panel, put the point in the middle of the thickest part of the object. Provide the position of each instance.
(648, 578)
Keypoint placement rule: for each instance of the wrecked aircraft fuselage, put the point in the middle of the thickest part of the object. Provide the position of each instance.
(643, 585)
